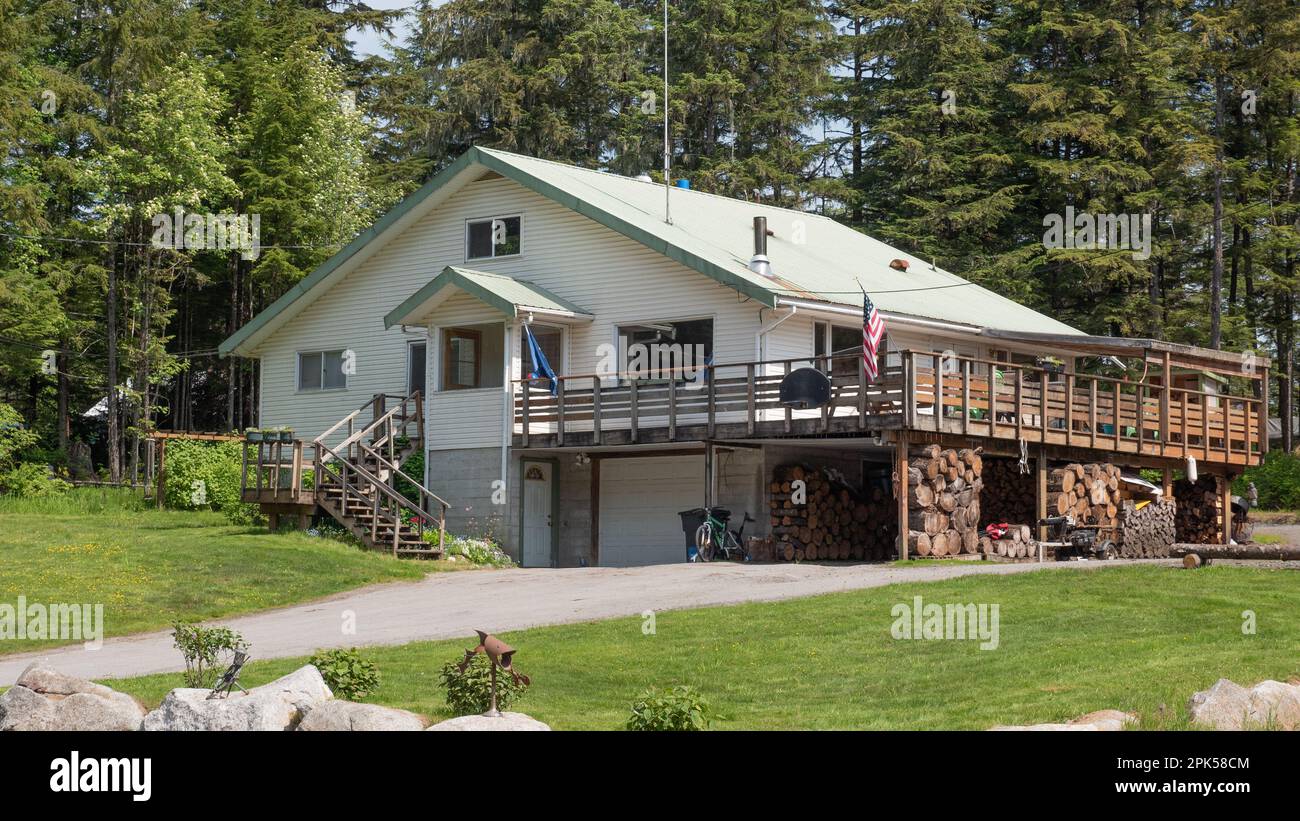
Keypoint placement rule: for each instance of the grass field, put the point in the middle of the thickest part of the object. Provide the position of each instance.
(150, 567)
(1132, 638)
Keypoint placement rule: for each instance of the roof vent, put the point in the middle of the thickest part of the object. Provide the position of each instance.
(898, 265)
(644, 177)
(760, 264)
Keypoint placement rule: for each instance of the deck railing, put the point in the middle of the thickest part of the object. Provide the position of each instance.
(980, 397)
(742, 395)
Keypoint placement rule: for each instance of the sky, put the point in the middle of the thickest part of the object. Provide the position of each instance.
(368, 42)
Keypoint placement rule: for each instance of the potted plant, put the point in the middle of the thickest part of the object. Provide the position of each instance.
(286, 434)
(253, 435)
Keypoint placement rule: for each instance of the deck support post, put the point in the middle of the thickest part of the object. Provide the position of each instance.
(1225, 494)
(900, 491)
(708, 474)
(1040, 498)
(595, 511)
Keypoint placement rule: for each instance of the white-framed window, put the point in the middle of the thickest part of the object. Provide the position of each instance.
(493, 237)
(322, 370)
(417, 352)
(654, 349)
(831, 340)
(470, 357)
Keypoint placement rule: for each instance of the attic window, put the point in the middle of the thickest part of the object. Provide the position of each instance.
(493, 237)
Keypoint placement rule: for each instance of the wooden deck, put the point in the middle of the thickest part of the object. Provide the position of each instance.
(978, 398)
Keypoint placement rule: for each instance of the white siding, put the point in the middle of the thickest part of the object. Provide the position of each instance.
(615, 278)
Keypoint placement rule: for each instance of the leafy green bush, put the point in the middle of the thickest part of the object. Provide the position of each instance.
(15, 438)
(676, 709)
(470, 692)
(1277, 479)
(348, 675)
(206, 474)
(31, 481)
(206, 650)
(413, 467)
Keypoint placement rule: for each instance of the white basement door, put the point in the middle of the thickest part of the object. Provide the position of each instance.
(639, 502)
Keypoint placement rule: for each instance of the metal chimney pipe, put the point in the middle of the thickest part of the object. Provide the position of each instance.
(760, 264)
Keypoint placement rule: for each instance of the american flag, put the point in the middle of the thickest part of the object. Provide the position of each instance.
(873, 330)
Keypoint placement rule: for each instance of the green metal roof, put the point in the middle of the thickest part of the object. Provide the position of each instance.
(813, 257)
(508, 295)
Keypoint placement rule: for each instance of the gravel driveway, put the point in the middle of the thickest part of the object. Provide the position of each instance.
(448, 605)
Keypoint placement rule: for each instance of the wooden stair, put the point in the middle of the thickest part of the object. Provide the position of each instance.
(356, 478)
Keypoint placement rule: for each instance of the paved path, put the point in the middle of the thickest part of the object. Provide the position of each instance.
(448, 605)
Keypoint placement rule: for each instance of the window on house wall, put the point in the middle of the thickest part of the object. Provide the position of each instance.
(550, 340)
(471, 357)
(493, 237)
(836, 340)
(462, 359)
(321, 370)
(416, 354)
(651, 349)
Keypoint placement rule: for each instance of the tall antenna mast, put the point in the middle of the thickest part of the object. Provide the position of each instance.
(668, 185)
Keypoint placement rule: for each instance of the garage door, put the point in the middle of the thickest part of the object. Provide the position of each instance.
(639, 501)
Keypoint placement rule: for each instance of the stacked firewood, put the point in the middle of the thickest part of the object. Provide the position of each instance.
(1090, 493)
(1016, 543)
(832, 520)
(1149, 532)
(943, 501)
(1198, 520)
(1008, 494)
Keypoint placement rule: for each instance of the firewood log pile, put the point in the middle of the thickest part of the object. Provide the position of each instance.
(1197, 521)
(1008, 494)
(943, 501)
(1017, 543)
(1090, 493)
(834, 521)
(1148, 533)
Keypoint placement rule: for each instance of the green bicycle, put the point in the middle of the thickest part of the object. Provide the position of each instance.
(714, 540)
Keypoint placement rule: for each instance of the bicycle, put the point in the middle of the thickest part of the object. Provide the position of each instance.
(713, 539)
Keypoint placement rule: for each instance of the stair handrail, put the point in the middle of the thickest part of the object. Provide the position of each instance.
(393, 467)
(385, 418)
(380, 487)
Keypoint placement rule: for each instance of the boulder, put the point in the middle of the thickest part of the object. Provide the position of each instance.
(1224, 706)
(45, 699)
(506, 722)
(1099, 721)
(1229, 706)
(348, 715)
(280, 705)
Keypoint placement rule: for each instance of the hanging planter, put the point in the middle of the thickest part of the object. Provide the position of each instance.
(253, 435)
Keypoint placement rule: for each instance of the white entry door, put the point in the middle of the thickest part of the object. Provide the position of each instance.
(538, 527)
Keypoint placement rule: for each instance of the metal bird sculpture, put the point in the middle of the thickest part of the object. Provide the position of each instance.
(500, 655)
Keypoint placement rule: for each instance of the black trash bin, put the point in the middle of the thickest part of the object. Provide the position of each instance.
(691, 521)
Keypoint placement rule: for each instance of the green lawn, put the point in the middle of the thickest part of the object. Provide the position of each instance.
(1071, 641)
(150, 567)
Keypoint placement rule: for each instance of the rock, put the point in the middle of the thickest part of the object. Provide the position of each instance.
(1099, 721)
(45, 699)
(505, 722)
(348, 715)
(280, 705)
(1224, 706)
(1275, 705)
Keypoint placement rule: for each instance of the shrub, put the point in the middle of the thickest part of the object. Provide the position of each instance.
(476, 551)
(348, 675)
(676, 709)
(206, 474)
(1277, 479)
(469, 692)
(15, 438)
(32, 481)
(205, 650)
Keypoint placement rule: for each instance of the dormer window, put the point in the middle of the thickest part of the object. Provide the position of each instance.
(493, 237)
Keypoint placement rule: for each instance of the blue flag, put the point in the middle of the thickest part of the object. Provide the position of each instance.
(541, 368)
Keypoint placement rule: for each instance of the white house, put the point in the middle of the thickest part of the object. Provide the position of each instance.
(435, 296)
